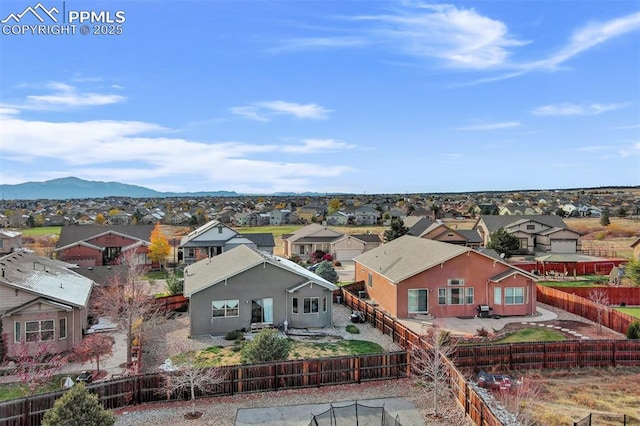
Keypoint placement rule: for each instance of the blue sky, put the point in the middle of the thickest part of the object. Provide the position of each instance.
(328, 96)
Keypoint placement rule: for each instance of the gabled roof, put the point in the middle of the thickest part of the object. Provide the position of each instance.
(45, 277)
(367, 238)
(554, 230)
(471, 235)
(38, 300)
(417, 224)
(310, 230)
(407, 256)
(74, 233)
(262, 239)
(493, 222)
(214, 270)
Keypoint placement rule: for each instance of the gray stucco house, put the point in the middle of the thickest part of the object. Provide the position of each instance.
(243, 288)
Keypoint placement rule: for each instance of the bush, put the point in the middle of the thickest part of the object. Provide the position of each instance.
(175, 285)
(295, 259)
(234, 335)
(633, 332)
(78, 407)
(266, 346)
(353, 329)
(482, 332)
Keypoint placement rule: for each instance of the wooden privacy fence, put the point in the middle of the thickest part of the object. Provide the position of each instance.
(585, 308)
(296, 374)
(617, 295)
(171, 303)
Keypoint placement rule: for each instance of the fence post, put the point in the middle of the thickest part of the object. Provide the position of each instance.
(356, 369)
(275, 376)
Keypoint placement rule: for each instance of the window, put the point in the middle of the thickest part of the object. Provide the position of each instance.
(531, 227)
(324, 304)
(63, 328)
(301, 249)
(524, 243)
(191, 252)
(417, 300)
(456, 296)
(311, 305)
(370, 280)
(294, 305)
(497, 296)
(514, 296)
(224, 308)
(39, 331)
(17, 332)
(469, 298)
(442, 296)
(455, 281)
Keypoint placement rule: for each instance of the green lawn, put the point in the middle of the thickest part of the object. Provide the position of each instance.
(38, 232)
(569, 284)
(533, 334)
(633, 311)
(277, 231)
(15, 390)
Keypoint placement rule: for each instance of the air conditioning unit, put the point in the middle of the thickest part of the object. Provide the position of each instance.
(362, 294)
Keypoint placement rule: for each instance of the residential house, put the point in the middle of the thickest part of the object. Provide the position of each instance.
(338, 218)
(537, 233)
(4, 221)
(214, 238)
(310, 214)
(246, 219)
(412, 276)
(10, 241)
(180, 218)
(636, 249)
(367, 215)
(247, 289)
(279, 216)
(513, 209)
(42, 302)
(315, 237)
(103, 245)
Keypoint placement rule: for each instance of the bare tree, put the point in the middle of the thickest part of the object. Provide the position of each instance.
(519, 399)
(601, 300)
(429, 363)
(188, 374)
(127, 301)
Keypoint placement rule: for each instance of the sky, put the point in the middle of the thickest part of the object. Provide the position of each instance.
(348, 96)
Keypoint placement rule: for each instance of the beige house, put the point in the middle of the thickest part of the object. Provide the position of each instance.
(314, 237)
(10, 241)
(42, 302)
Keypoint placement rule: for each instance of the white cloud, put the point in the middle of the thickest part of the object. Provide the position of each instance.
(575, 109)
(262, 111)
(65, 96)
(138, 151)
(311, 146)
(594, 148)
(634, 149)
(318, 43)
(492, 126)
(462, 38)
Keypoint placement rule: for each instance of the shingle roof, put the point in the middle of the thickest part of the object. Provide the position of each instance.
(407, 256)
(74, 233)
(207, 272)
(495, 222)
(46, 277)
(263, 239)
(471, 235)
(368, 238)
(417, 224)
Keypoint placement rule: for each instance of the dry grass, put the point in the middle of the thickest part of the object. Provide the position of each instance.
(568, 396)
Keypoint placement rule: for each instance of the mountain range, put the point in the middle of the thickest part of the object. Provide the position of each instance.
(73, 187)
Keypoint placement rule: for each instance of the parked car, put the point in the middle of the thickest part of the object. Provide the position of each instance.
(500, 382)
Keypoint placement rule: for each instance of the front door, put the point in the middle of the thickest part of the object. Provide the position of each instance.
(262, 311)
(417, 301)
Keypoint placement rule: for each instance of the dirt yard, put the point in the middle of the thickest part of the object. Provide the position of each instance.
(567, 396)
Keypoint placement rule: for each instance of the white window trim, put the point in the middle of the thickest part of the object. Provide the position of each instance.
(461, 296)
(445, 297)
(310, 305)
(513, 296)
(17, 325)
(225, 308)
(418, 289)
(65, 329)
(459, 282)
(466, 296)
(39, 331)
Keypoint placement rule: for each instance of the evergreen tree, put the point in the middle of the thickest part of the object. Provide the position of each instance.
(267, 346)
(326, 271)
(397, 230)
(78, 407)
(604, 219)
(503, 242)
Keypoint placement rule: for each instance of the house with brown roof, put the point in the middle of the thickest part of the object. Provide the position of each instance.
(316, 237)
(42, 302)
(412, 276)
(103, 245)
(537, 233)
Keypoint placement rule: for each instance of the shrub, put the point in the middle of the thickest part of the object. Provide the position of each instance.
(234, 335)
(353, 329)
(266, 346)
(78, 407)
(175, 285)
(295, 259)
(633, 332)
(327, 257)
(482, 332)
